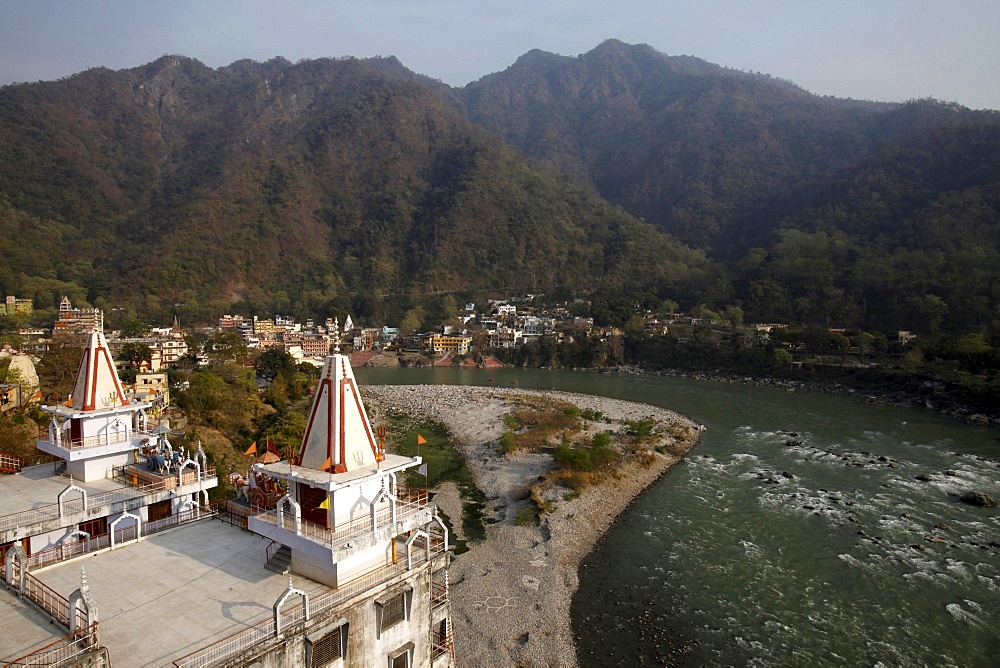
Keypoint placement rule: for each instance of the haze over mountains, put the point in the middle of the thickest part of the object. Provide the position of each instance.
(621, 174)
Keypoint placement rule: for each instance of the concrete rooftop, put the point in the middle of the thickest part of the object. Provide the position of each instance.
(39, 486)
(167, 595)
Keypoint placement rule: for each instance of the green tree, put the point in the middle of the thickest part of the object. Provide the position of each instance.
(733, 316)
(8, 375)
(136, 353)
(10, 327)
(285, 428)
(59, 365)
(226, 346)
(413, 321)
(133, 327)
(276, 393)
(274, 362)
(207, 392)
(933, 309)
(782, 358)
(668, 307)
(971, 344)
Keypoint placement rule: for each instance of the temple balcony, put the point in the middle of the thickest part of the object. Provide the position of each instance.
(344, 539)
(108, 443)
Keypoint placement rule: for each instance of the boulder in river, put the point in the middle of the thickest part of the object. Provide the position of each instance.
(980, 499)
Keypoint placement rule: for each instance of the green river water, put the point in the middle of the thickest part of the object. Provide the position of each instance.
(795, 533)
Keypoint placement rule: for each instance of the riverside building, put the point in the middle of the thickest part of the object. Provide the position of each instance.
(114, 555)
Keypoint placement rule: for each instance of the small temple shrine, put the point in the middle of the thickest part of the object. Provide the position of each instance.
(345, 512)
(346, 520)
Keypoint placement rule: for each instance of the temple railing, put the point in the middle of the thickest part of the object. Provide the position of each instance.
(439, 594)
(130, 498)
(48, 599)
(107, 438)
(61, 651)
(9, 463)
(70, 550)
(233, 645)
(344, 531)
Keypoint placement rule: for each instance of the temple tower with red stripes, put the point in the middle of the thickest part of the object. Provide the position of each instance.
(98, 428)
(348, 520)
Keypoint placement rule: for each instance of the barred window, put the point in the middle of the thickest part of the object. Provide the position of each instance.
(394, 611)
(392, 608)
(329, 648)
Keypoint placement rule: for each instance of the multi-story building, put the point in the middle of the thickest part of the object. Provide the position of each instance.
(154, 389)
(230, 321)
(263, 327)
(505, 337)
(315, 345)
(455, 344)
(172, 350)
(535, 326)
(388, 334)
(13, 306)
(78, 320)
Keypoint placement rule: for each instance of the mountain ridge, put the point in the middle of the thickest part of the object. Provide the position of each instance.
(339, 184)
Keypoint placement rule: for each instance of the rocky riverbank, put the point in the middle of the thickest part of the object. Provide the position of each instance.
(511, 593)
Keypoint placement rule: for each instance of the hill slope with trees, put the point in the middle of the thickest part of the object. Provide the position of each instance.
(309, 188)
(825, 211)
(356, 185)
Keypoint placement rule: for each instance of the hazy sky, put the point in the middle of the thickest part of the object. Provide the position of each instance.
(866, 49)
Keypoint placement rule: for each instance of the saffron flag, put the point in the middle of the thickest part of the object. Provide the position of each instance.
(326, 465)
(421, 440)
(252, 450)
(423, 469)
(326, 504)
(270, 446)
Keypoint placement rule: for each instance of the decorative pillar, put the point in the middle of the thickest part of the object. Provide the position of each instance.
(16, 551)
(292, 589)
(70, 487)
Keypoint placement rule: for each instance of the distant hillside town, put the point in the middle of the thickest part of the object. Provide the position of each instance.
(477, 336)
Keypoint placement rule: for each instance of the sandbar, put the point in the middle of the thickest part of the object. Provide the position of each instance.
(511, 593)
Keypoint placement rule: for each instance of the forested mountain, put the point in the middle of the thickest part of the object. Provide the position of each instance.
(358, 185)
(825, 211)
(690, 146)
(326, 185)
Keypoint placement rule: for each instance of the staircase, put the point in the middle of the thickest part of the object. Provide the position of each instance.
(280, 561)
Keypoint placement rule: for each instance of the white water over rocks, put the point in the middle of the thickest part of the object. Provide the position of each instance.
(912, 579)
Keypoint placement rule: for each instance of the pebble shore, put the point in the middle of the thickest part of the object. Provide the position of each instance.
(511, 593)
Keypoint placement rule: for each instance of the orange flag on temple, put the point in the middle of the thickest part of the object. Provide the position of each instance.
(326, 465)
(252, 450)
(421, 440)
